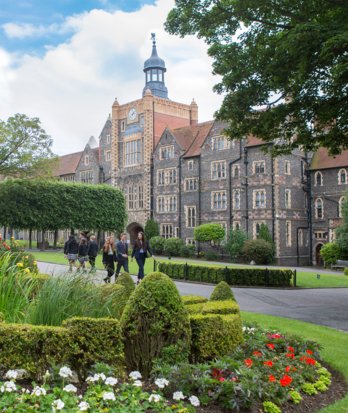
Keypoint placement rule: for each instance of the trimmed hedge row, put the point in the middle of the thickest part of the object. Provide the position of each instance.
(79, 343)
(233, 276)
(214, 335)
(214, 307)
(193, 299)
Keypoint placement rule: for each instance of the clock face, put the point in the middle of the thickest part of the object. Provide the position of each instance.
(132, 114)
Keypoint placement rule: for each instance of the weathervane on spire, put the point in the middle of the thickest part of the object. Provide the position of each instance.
(153, 38)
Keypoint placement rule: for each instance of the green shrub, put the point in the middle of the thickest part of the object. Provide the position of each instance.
(269, 407)
(209, 232)
(235, 243)
(33, 348)
(211, 255)
(214, 335)
(258, 250)
(295, 396)
(187, 251)
(309, 389)
(154, 318)
(346, 271)
(222, 292)
(232, 275)
(157, 244)
(114, 297)
(320, 386)
(127, 281)
(330, 253)
(151, 229)
(214, 307)
(193, 299)
(94, 340)
(172, 246)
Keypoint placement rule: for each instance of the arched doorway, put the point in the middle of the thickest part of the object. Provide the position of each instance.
(133, 230)
(318, 259)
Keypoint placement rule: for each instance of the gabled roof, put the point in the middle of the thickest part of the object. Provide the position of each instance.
(322, 160)
(199, 133)
(67, 164)
(254, 141)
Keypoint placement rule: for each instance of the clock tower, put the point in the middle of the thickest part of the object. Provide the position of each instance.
(136, 129)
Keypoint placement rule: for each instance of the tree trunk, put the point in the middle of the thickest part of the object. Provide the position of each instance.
(5, 233)
(42, 240)
(30, 239)
(55, 239)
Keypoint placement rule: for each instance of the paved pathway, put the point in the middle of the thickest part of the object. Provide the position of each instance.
(324, 306)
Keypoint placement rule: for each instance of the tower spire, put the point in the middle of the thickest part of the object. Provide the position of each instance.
(154, 69)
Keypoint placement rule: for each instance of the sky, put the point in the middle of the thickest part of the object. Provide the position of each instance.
(65, 62)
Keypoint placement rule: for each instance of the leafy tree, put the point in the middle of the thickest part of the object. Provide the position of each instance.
(151, 229)
(209, 232)
(288, 58)
(330, 253)
(235, 243)
(172, 246)
(266, 235)
(25, 148)
(51, 205)
(157, 244)
(342, 232)
(257, 250)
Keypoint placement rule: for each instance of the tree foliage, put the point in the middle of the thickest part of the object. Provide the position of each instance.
(288, 58)
(151, 229)
(330, 253)
(50, 205)
(209, 232)
(235, 243)
(25, 148)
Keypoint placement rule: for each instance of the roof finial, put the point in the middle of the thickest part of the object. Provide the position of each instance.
(153, 38)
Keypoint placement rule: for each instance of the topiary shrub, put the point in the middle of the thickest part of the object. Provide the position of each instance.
(214, 307)
(258, 250)
(222, 292)
(193, 299)
(127, 281)
(157, 244)
(115, 297)
(154, 323)
(214, 335)
(94, 340)
(172, 246)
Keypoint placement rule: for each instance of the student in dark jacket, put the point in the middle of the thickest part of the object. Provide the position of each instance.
(109, 257)
(122, 254)
(92, 252)
(83, 254)
(140, 250)
(71, 248)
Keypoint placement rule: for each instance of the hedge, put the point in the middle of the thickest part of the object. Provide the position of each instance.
(214, 335)
(214, 307)
(79, 343)
(193, 299)
(222, 292)
(232, 275)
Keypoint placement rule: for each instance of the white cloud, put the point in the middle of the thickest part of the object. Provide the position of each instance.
(72, 87)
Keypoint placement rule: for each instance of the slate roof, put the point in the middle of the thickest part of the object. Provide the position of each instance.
(322, 160)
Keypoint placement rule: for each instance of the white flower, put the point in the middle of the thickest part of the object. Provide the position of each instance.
(65, 372)
(137, 383)
(178, 395)
(154, 398)
(135, 375)
(83, 406)
(38, 391)
(11, 374)
(161, 383)
(70, 388)
(194, 401)
(111, 381)
(8, 386)
(58, 405)
(109, 396)
(96, 377)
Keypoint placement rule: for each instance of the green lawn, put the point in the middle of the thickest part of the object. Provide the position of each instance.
(304, 279)
(334, 345)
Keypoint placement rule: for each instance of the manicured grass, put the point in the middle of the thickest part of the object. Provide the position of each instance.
(304, 279)
(334, 345)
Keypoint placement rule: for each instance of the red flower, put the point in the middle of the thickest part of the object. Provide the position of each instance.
(248, 362)
(216, 373)
(285, 380)
(271, 378)
(290, 355)
(268, 363)
(275, 336)
(309, 351)
(270, 346)
(310, 361)
(221, 379)
(287, 369)
(257, 353)
(291, 349)
(302, 358)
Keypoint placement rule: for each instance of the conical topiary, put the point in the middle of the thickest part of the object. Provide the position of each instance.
(222, 292)
(154, 323)
(127, 281)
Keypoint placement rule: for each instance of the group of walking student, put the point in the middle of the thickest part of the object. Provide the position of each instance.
(87, 250)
